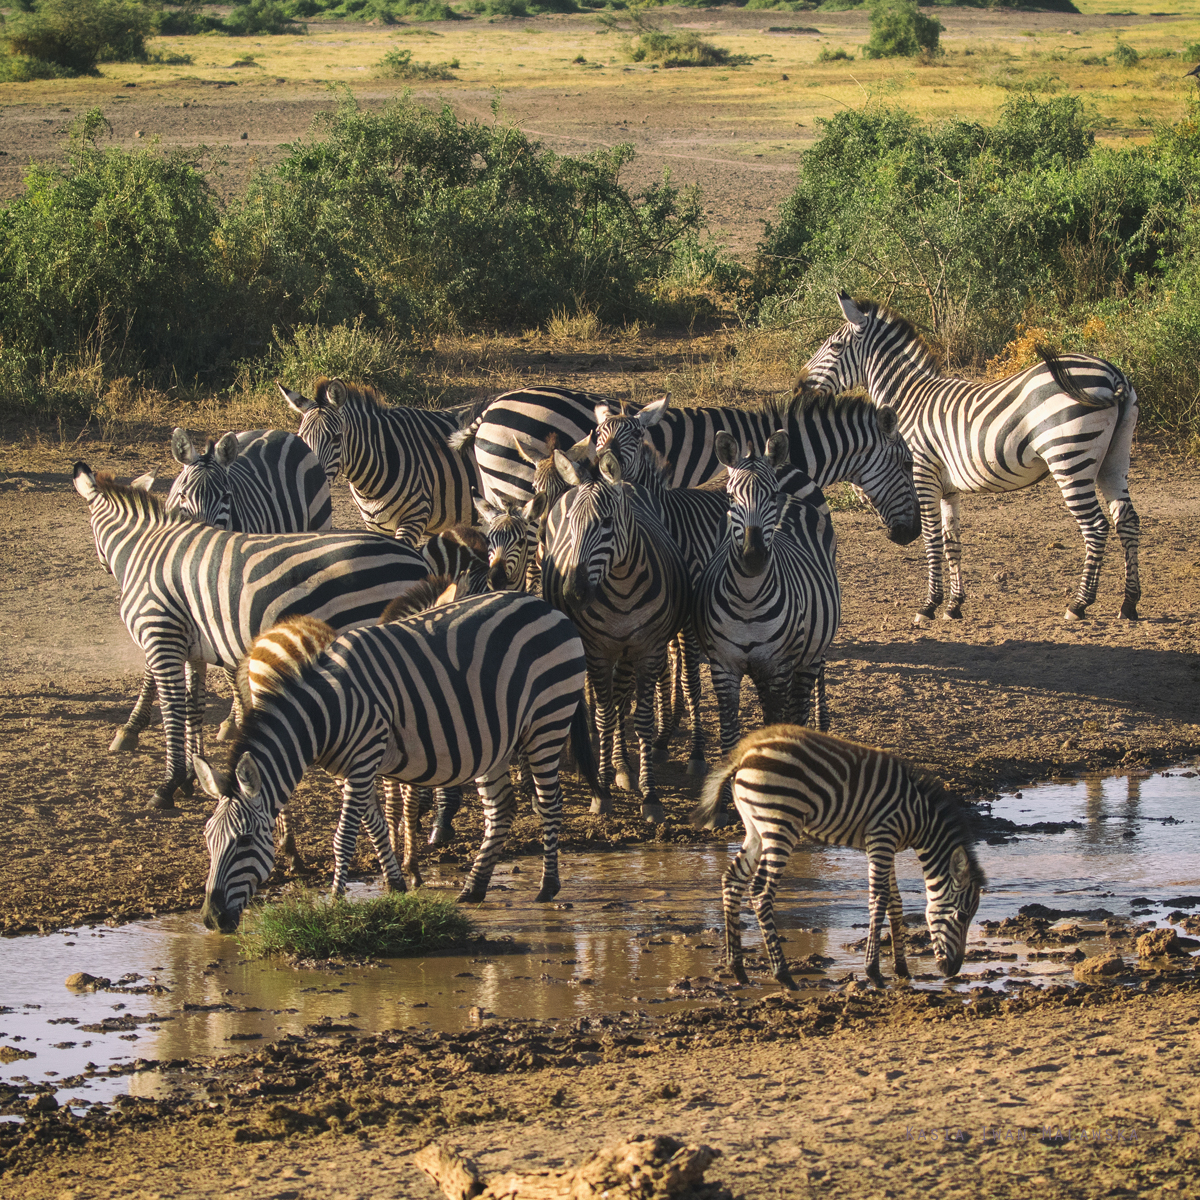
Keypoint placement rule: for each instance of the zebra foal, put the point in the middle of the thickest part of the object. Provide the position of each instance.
(789, 783)
(1071, 416)
(435, 701)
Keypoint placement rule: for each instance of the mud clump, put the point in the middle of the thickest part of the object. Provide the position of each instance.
(1162, 943)
(81, 981)
(1099, 965)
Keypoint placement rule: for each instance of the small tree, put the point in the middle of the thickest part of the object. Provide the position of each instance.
(898, 30)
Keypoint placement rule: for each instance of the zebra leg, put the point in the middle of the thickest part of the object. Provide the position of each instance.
(689, 646)
(733, 883)
(359, 806)
(624, 685)
(667, 699)
(127, 736)
(1093, 524)
(896, 919)
(287, 842)
(499, 808)
(195, 673)
(953, 552)
(649, 671)
(377, 827)
(1129, 530)
(762, 900)
(412, 834)
(232, 723)
(446, 803)
(600, 676)
(728, 688)
(931, 533)
(1113, 483)
(544, 763)
(881, 870)
(168, 667)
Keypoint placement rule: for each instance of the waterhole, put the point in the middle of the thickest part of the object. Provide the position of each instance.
(633, 930)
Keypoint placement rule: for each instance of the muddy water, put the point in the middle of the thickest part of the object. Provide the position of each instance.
(633, 930)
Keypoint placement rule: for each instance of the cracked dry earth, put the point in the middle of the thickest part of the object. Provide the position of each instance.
(824, 1096)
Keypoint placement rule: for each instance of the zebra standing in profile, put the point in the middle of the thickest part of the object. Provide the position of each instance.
(791, 783)
(768, 603)
(1071, 416)
(850, 440)
(610, 564)
(437, 700)
(192, 595)
(403, 475)
(260, 481)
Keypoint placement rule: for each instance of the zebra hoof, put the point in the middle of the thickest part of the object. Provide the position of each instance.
(661, 754)
(549, 889)
(1129, 611)
(921, 620)
(475, 895)
(228, 730)
(164, 798)
(441, 835)
(652, 813)
(875, 976)
(602, 806)
(125, 742)
(625, 782)
(952, 614)
(1070, 615)
(739, 972)
(395, 886)
(696, 766)
(784, 976)
(722, 820)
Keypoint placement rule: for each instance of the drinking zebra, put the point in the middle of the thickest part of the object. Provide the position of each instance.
(436, 701)
(403, 475)
(850, 440)
(768, 603)
(192, 595)
(609, 563)
(1071, 416)
(260, 481)
(790, 783)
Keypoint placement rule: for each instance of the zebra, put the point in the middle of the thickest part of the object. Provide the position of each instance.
(192, 595)
(768, 602)
(789, 783)
(403, 475)
(1071, 416)
(436, 700)
(259, 481)
(460, 551)
(512, 536)
(849, 440)
(610, 564)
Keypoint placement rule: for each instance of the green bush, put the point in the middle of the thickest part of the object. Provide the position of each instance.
(1125, 55)
(75, 35)
(261, 16)
(305, 925)
(398, 64)
(830, 55)
(681, 50)
(900, 30)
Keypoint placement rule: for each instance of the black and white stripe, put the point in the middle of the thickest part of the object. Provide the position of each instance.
(192, 595)
(768, 604)
(403, 475)
(851, 440)
(610, 564)
(1071, 416)
(433, 701)
(790, 783)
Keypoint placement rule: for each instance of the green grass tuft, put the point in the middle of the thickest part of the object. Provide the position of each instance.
(307, 924)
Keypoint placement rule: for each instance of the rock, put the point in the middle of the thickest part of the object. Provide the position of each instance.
(245, 137)
(1160, 943)
(1100, 964)
(81, 981)
(43, 1102)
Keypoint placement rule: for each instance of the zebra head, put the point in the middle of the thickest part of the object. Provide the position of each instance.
(952, 888)
(753, 489)
(597, 528)
(202, 490)
(882, 474)
(110, 506)
(511, 538)
(840, 365)
(540, 456)
(241, 841)
(321, 422)
(623, 435)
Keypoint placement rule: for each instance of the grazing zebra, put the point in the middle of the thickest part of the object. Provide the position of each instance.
(790, 783)
(850, 440)
(768, 603)
(610, 564)
(437, 700)
(192, 595)
(403, 475)
(1071, 416)
(260, 481)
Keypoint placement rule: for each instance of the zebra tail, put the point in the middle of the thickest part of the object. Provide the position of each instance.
(463, 438)
(581, 744)
(1065, 384)
(710, 795)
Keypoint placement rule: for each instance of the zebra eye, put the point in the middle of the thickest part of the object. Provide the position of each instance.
(247, 839)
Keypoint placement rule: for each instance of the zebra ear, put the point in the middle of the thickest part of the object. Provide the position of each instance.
(610, 468)
(488, 512)
(536, 508)
(182, 450)
(851, 311)
(602, 412)
(889, 421)
(777, 450)
(85, 481)
(533, 452)
(248, 779)
(727, 449)
(335, 392)
(227, 449)
(960, 867)
(584, 450)
(295, 401)
(212, 783)
(143, 483)
(567, 469)
(653, 413)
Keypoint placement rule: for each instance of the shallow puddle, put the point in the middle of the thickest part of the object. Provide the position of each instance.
(635, 929)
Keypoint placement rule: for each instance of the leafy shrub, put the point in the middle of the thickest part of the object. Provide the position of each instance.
(348, 350)
(1125, 54)
(261, 16)
(398, 64)
(183, 20)
(828, 54)
(900, 30)
(681, 50)
(75, 35)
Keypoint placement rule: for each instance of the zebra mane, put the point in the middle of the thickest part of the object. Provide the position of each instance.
(356, 394)
(953, 814)
(781, 409)
(142, 502)
(416, 599)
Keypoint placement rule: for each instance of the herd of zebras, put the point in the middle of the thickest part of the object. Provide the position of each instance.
(425, 659)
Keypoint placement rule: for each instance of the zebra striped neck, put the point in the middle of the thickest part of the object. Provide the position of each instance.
(121, 516)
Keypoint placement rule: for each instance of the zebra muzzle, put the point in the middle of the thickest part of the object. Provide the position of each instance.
(498, 578)
(754, 550)
(217, 918)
